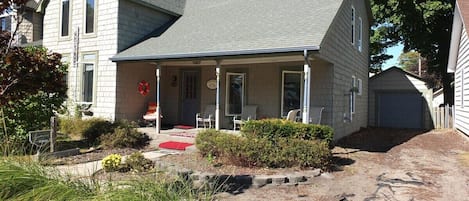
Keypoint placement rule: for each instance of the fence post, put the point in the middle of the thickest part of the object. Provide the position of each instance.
(53, 133)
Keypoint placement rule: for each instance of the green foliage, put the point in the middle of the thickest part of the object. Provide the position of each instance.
(263, 152)
(124, 137)
(111, 163)
(25, 180)
(90, 129)
(138, 163)
(277, 128)
(423, 26)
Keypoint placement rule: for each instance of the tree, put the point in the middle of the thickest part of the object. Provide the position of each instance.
(409, 61)
(32, 83)
(421, 25)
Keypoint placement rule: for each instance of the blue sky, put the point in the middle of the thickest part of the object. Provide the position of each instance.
(395, 51)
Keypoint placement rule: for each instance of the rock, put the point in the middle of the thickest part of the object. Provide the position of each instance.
(278, 179)
(260, 181)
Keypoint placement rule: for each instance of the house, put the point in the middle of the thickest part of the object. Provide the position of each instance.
(399, 99)
(457, 64)
(30, 16)
(89, 32)
(274, 54)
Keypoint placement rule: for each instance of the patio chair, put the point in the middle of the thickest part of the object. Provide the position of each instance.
(293, 114)
(315, 115)
(249, 113)
(208, 117)
(150, 115)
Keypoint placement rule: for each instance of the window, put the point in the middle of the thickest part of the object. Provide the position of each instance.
(235, 83)
(462, 87)
(352, 95)
(65, 18)
(88, 77)
(360, 87)
(292, 91)
(90, 14)
(66, 61)
(360, 34)
(353, 25)
(4, 23)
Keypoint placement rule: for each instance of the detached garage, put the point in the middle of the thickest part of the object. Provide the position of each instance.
(399, 99)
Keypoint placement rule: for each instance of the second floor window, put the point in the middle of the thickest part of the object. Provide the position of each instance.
(89, 16)
(360, 34)
(4, 24)
(352, 23)
(65, 18)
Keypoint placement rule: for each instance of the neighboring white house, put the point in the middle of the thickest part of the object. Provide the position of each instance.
(458, 64)
(89, 32)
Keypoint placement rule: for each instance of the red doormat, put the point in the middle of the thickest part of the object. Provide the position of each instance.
(174, 145)
(183, 127)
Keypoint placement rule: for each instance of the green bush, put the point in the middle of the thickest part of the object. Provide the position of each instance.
(263, 152)
(138, 163)
(278, 128)
(124, 137)
(89, 129)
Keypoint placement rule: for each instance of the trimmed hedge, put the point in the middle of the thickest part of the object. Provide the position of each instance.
(278, 128)
(263, 152)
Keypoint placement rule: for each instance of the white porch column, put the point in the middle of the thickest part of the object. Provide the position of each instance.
(307, 89)
(217, 108)
(158, 110)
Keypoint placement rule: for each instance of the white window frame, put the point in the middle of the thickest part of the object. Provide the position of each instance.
(283, 90)
(360, 86)
(86, 61)
(95, 15)
(462, 87)
(70, 10)
(227, 94)
(353, 96)
(353, 25)
(360, 34)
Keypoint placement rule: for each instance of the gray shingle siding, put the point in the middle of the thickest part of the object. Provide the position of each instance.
(347, 62)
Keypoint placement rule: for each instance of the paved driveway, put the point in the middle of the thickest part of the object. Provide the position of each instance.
(380, 164)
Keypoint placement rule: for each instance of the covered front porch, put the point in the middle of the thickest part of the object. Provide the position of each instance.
(183, 87)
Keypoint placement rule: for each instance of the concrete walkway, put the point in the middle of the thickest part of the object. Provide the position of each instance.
(178, 135)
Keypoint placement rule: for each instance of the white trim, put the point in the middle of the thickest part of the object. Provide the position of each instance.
(94, 62)
(283, 90)
(95, 16)
(360, 34)
(70, 10)
(227, 87)
(455, 39)
(353, 25)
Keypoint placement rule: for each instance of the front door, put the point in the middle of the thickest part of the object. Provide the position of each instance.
(190, 92)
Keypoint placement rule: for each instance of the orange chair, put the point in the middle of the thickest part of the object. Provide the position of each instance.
(150, 115)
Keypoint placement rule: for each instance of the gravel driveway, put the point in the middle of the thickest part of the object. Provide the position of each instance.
(385, 164)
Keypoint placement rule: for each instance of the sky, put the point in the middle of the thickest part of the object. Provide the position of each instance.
(395, 51)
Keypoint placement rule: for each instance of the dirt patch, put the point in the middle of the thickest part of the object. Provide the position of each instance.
(388, 165)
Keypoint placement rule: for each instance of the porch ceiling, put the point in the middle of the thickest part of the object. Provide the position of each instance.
(234, 61)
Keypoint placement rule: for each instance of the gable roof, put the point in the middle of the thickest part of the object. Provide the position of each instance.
(394, 68)
(237, 27)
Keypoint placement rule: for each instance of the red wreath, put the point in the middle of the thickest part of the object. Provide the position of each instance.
(143, 87)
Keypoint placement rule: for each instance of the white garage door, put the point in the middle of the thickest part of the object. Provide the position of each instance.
(400, 110)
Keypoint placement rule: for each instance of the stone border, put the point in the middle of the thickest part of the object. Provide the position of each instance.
(234, 182)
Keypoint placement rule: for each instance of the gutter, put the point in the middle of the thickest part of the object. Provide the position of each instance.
(215, 54)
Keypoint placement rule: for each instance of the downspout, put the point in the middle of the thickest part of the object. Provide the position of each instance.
(307, 88)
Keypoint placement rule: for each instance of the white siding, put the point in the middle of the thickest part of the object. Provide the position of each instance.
(461, 85)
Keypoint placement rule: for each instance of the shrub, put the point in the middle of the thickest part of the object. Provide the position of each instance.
(138, 163)
(89, 129)
(263, 152)
(124, 137)
(278, 128)
(111, 163)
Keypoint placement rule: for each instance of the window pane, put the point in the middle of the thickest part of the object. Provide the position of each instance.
(89, 16)
(235, 93)
(4, 24)
(65, 17)
(88, 82)
(291, 92)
